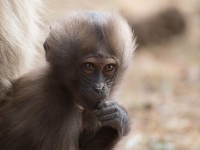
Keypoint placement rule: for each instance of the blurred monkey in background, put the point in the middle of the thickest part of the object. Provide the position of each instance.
(20, 40)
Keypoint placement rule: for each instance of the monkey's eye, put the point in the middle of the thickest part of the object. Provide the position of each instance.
(88, 67)
(109, 69)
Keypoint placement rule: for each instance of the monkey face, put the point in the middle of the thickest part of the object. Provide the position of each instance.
(89, 53)
(97, 74)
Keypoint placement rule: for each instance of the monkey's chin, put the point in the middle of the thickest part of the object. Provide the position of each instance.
(89, 103)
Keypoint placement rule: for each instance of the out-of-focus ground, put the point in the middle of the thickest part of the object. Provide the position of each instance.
(162, 87)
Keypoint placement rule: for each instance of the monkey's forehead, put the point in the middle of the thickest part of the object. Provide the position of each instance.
(91, 22)
(91, 28)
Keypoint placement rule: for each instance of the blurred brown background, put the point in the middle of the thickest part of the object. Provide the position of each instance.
(162, 88)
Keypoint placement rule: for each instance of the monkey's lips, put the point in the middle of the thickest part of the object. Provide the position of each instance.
(93, 103)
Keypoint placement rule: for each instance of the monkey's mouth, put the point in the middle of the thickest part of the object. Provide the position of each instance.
(91, 99)
(93, 103)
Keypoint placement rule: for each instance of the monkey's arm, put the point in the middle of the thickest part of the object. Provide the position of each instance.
(115, 123)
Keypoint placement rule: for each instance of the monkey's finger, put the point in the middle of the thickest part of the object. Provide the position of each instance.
(106, 104)
(111, 123)
(108, 117)
(106, 110)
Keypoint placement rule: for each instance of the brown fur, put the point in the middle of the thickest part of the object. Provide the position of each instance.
(42, 113)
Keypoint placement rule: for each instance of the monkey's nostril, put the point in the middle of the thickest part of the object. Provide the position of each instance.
(97, 90)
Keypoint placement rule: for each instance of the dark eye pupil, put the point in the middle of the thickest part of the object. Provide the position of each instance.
(109, 67)
(89, 66)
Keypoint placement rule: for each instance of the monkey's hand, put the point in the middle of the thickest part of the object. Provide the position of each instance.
(111, 114)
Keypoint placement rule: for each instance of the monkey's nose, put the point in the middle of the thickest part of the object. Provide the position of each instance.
(98, 88)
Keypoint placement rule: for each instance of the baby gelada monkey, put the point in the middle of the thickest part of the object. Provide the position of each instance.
(70, 103)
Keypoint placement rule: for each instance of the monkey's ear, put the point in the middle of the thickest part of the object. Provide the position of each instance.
(46, 48)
